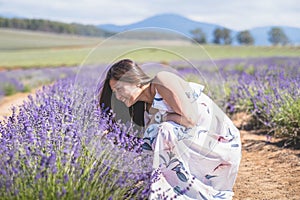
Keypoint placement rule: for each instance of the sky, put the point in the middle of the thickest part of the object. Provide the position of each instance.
(233, 14)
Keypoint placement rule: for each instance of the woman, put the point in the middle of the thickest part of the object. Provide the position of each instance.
(196, 147)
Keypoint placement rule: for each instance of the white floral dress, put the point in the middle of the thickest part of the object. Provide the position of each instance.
(196, 163)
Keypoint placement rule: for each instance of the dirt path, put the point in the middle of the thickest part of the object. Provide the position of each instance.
(7, 102)
(266, 172)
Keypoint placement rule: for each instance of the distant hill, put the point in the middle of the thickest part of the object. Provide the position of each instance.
(185, 25)
(166, 21)
(52, 27)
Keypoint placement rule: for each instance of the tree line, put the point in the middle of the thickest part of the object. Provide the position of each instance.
(53, 26)
(223, 36)
(220, 35)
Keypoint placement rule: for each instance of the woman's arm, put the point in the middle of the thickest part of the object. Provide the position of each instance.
(178, 119)
(173, 90)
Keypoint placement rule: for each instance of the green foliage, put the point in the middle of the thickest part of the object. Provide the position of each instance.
(192, 78)
(245, 37)
(199, 36)
(222, 36)
(217, 36)
(226, 36)
(9, 89)
(227, 89)
(250, 70)
(288, 119)
(239, 67)
(53, 26)
(277, 36)
(27, 88)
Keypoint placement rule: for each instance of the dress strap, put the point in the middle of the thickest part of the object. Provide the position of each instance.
(160, 104)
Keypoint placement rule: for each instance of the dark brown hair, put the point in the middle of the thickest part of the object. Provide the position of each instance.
(128, 71)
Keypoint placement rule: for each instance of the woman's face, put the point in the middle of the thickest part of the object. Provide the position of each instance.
(126, 92)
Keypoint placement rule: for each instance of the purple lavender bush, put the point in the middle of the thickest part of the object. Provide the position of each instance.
(268, 88)
(9, 85)
(24, 80)
(59, 145)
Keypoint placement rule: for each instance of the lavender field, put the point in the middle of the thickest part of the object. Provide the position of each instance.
(59, 145)
(15, 81)
(266, 88)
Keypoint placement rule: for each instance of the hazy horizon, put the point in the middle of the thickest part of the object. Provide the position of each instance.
(234, 14)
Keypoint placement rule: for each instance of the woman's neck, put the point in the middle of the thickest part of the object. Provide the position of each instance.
(147, 94)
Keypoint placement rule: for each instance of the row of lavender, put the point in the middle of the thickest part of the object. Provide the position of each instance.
(268, 89)
(55, 148)
(15, 81)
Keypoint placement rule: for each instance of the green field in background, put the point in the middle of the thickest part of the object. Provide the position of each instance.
(25, 49)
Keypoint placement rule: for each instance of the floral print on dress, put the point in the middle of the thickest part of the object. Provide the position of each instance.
(192, 163)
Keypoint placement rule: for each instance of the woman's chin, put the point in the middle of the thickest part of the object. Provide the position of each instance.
(128, 104)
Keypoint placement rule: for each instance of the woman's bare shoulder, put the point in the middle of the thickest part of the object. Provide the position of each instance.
(167, 78)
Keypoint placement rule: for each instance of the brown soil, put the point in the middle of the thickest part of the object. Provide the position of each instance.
(267, 171)
(7, 102)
